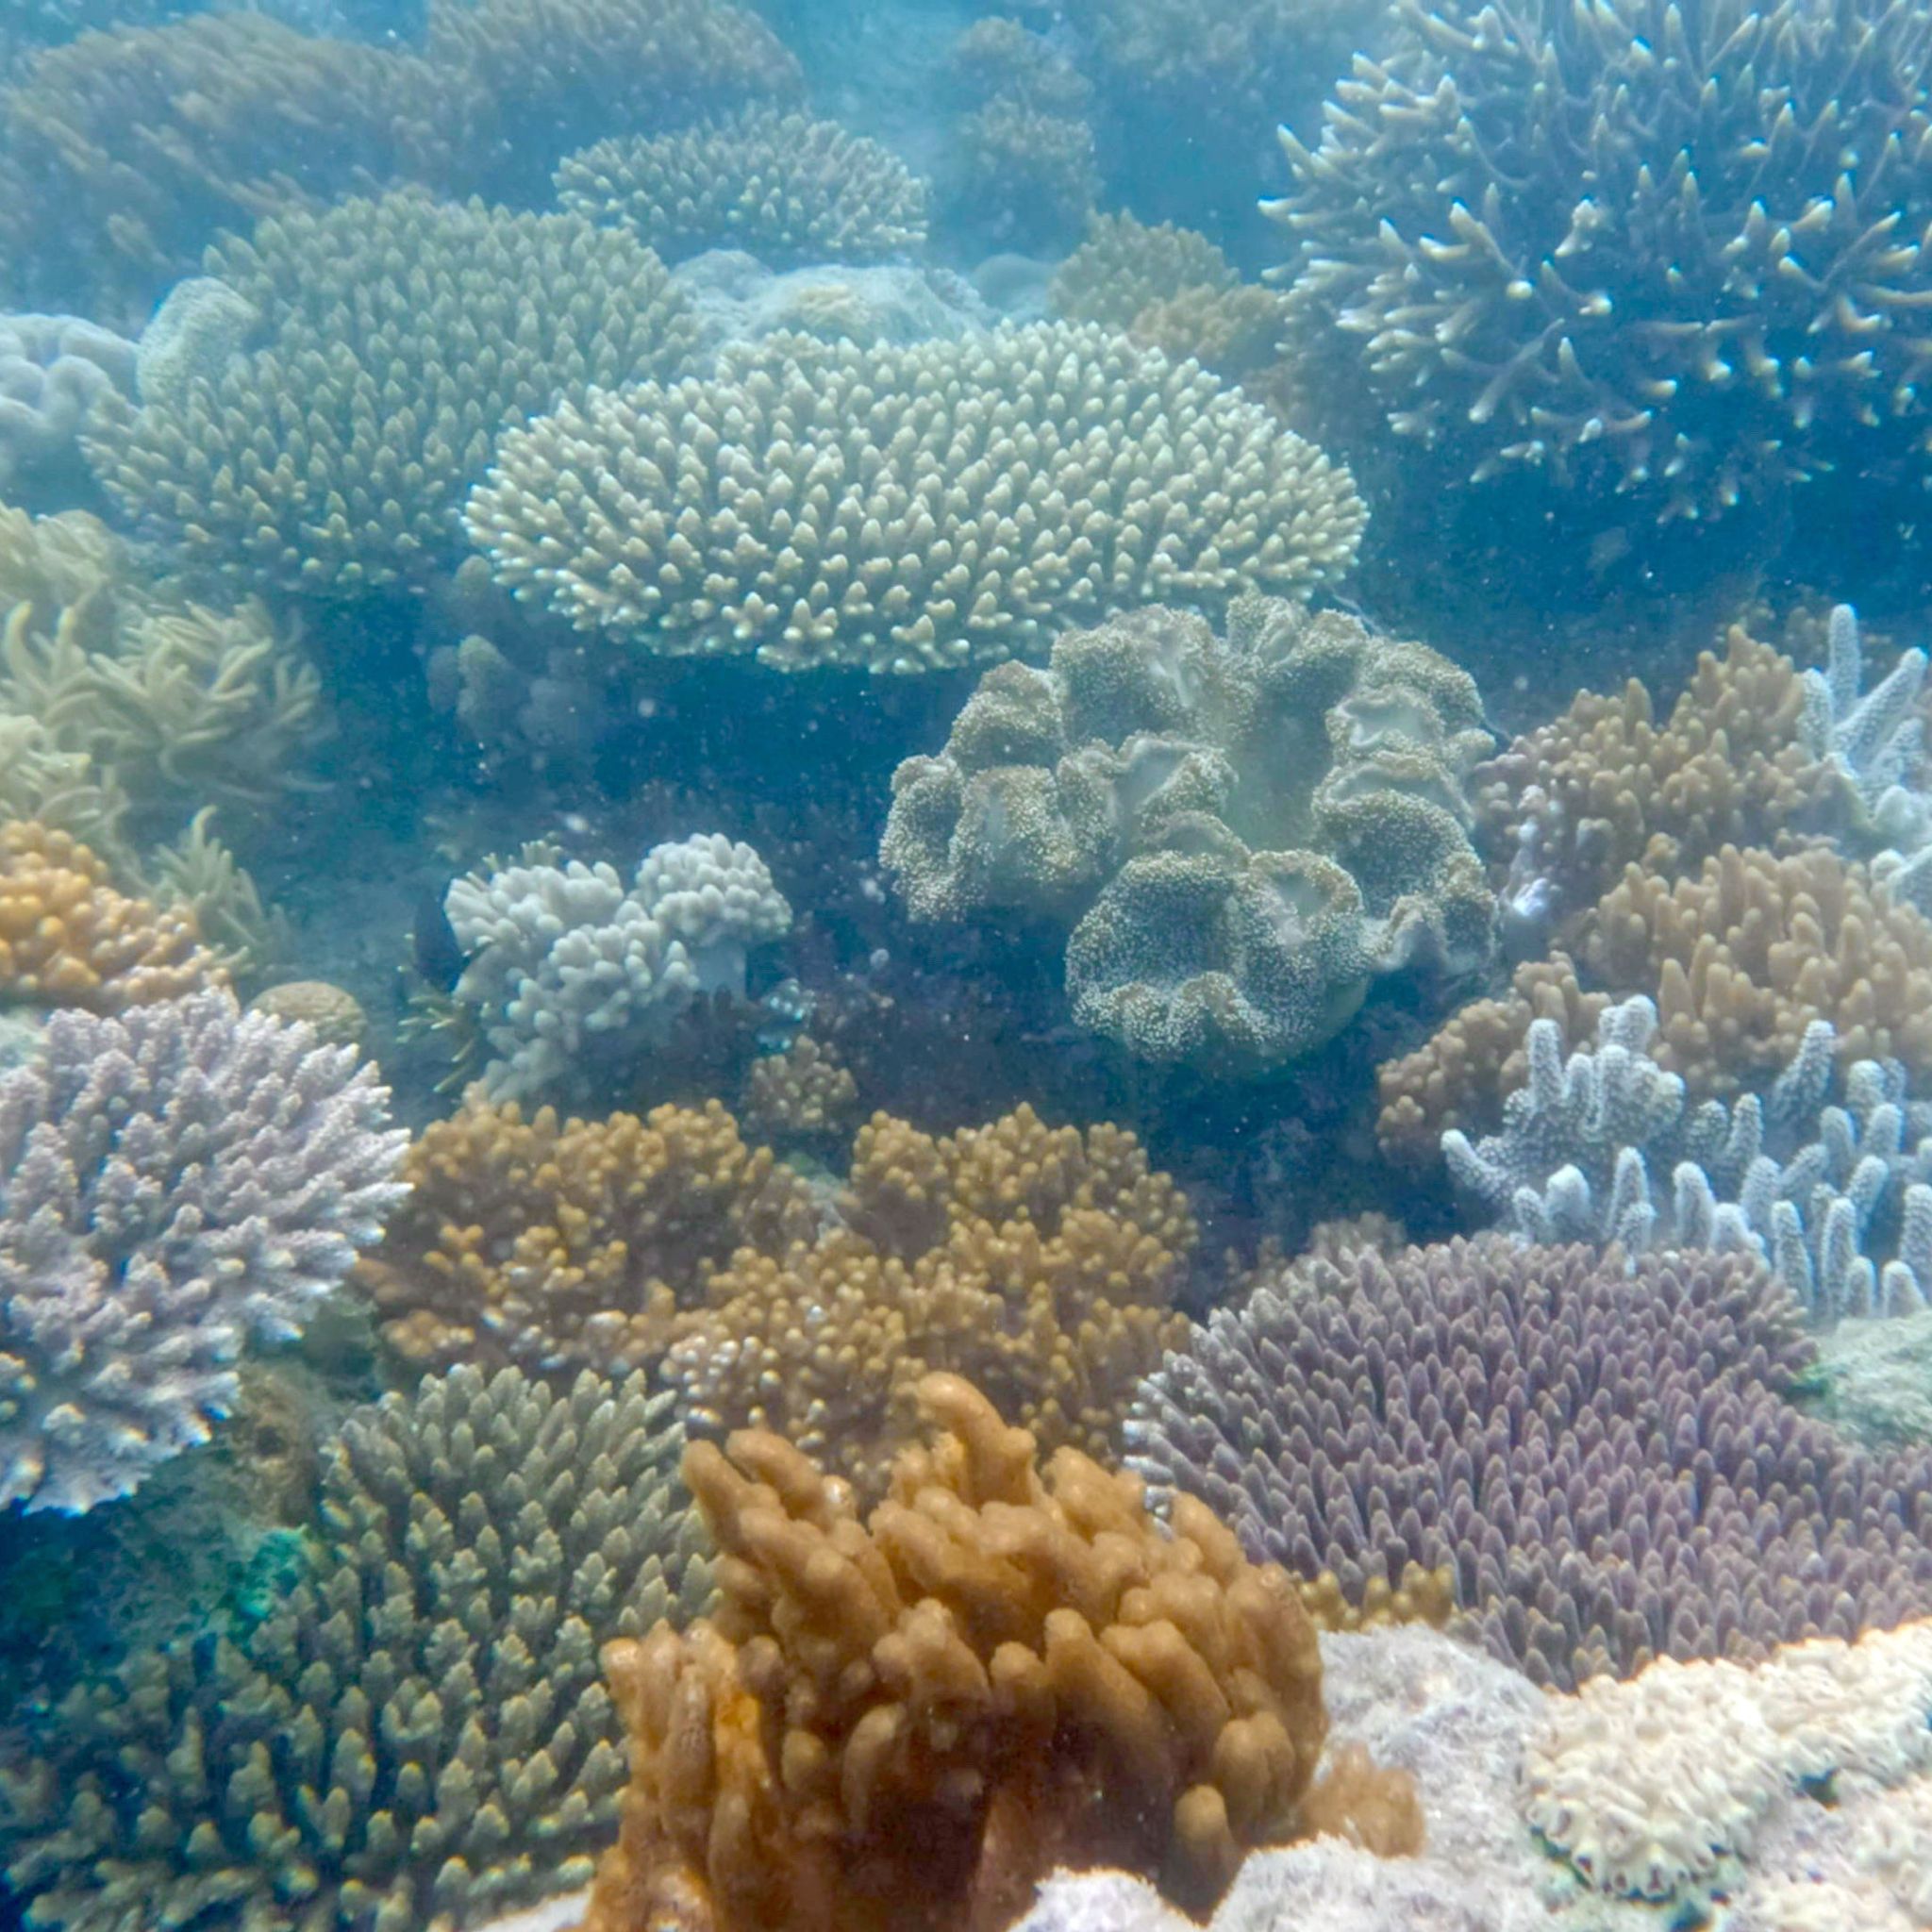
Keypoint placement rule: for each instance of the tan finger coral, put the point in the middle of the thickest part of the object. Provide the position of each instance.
(1042, 1263)
(68, 939)
(907, 508)
(913, 1719)
(805, 1093)
(785, 187)
(547, 1242)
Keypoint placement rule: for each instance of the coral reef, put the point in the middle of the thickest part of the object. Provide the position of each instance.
(784, 187)
(122, 155)
(400, 336)
(334, 1013)
(805, 1094)
(1603, 1453)
(416, 1734)
(907, 508)
(1241, 831)
(175, 1183)
(566, 965)
(573, 1243)
(1645, 1786)
(1619, 248)
(53, 369)
(68, 939)
(916, 1719)
(1040, 1262)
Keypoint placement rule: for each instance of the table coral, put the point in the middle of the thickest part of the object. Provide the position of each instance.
(548, 1243)
(1040, 1262)
(907, 508)
(400, 335)
(175, 1184)
(1604, 1451)
(1242, 831)
(69, 939)
(784, 187)
(415, 1737)
(913, 1719)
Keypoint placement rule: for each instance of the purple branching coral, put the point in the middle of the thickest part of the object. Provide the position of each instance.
(175, 1183)
(1603, 1452)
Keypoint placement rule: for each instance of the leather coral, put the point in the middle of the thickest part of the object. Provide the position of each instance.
(909, 1722)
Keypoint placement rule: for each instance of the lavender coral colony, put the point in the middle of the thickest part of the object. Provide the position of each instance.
(965, 972)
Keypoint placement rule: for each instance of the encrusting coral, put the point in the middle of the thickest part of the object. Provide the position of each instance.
(784, 187)
(69, 939)
(175, 1183)
(400, 335)
(1241, 831)
(1623, 247)
(1040, 1262)
(907, 508)
(415, 1738)
(1603, 1450)
(914, 1718)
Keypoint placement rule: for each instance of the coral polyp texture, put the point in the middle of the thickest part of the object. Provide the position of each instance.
(1242, 831)
(175, 1183)
(415, 1737)
(123, 153)
(1042, 1263)
(569, 967)
(784, 187)
(1653, 249)
(550, 1243)
(907, 508)
(399, 337)
(69, 939)
(1646, 1786)
(1602, 1450)
(913, 1719)
(53, 369)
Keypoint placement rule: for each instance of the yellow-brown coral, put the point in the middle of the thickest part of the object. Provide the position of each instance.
(68, 939)
(1042, 1263)
(335, 1013)
(908, 1722)
(547, 1242)
(805, 1093)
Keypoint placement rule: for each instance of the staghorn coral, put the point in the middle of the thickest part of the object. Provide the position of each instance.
(907, 508)
(916, 1719)
(538, 79)
(571, 973)
(175, 1183)
(1040, 1262)
(415, 1737)
(1622, 247)
(122, 155)
(401, 335)
(1603, 1452)
(1568, 806)
(196, 874)
(1645, 1786)
(68, 939)
(784, 187)
(1241, 831)
(570, 1243)
(60, 789)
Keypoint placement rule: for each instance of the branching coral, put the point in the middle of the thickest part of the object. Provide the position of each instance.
(1603, 1453)
(68, 939)
(122, 155)
(785, 187)
(175, 1183)
(1626, 243)
(1241, 831)
(415, 1738)
(916, 1719)
(567, 966)
(568, 1243)
(907, 508)
(401, 336)
(1040, 1262)
(806, 1094)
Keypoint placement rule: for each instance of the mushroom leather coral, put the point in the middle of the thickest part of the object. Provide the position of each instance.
(907, 1724)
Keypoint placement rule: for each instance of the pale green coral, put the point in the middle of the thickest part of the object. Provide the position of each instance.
(1241, 831)
(418, 1734)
